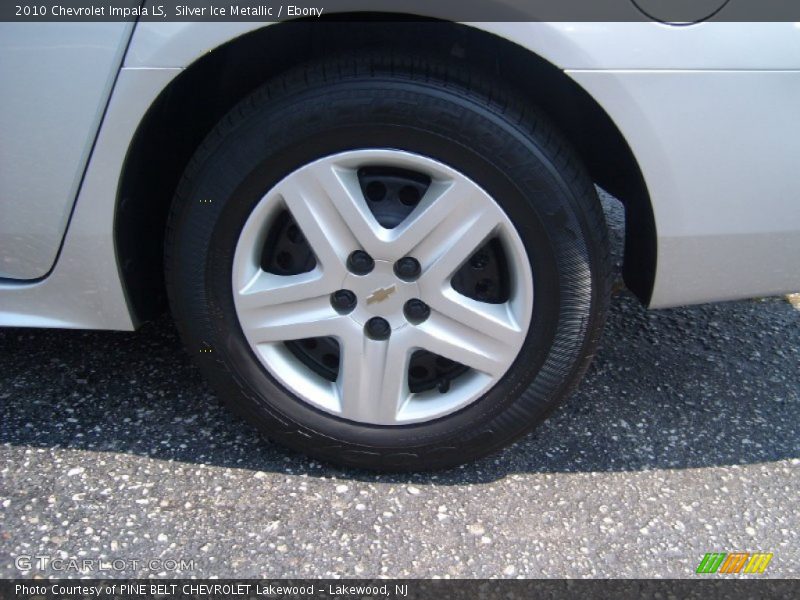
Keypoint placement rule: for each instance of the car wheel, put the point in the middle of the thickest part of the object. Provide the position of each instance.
(388, 262)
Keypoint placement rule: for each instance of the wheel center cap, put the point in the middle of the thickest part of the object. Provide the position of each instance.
(380, 293)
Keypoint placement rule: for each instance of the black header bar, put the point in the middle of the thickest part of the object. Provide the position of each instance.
(671, 11)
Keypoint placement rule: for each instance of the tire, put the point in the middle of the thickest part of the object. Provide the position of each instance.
(467, 126)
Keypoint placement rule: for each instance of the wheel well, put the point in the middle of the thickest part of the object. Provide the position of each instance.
(190, 106)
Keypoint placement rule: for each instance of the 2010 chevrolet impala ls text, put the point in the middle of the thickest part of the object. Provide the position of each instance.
(381, 238)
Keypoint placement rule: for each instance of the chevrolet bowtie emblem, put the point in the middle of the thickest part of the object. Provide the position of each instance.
(381, 294)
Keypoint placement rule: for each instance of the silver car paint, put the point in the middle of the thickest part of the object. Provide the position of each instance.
(718, 157)
(55, 82)
(708, 111)
(84, 290)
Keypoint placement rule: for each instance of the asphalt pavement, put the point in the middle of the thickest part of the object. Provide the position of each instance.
(684, 438)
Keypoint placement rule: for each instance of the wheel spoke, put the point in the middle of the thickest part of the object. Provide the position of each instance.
(498, 321)
(450, 244)
(340, 185)
(332, 212)
(307, 319)
(267, 289)
(440, 201)
(473, 347)
(289, 312)
(373, 381)
(324, 228)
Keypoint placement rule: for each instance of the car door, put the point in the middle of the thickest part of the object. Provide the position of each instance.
(55, 80)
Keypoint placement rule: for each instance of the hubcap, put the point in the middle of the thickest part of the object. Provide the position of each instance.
(440, 287)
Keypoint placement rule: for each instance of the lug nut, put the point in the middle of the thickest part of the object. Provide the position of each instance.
(360, 263)
(343, 301)
(416, 311)
(378, 328)
(407, 268)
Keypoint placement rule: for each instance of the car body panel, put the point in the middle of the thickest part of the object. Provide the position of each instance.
(718, 151)
(85, 291)
(703, 115)
(634, 45)
(56, 79)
